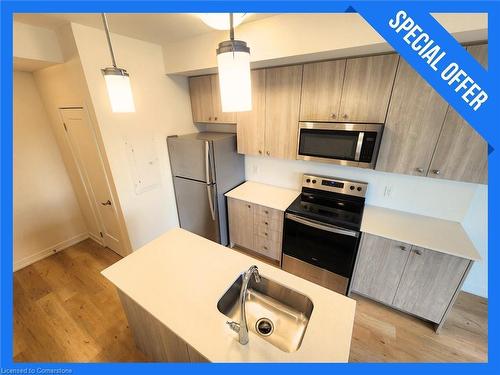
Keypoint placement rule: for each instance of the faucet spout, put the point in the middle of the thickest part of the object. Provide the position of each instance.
(243, 328)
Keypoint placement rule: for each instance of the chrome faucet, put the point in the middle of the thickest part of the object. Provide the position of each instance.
(242, 327)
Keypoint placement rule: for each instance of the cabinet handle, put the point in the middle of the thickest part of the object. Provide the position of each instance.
(260, 152)
(345, 115)
(215, 118)
(107, 203)
(266, 212)
(268, 153)
(402, 247)
(420, 170)
(210, 118)
(265, 222)
(265, 233)
(248, 206)
(264, 247)
(333, 115)
(417, 252)
(436, 171)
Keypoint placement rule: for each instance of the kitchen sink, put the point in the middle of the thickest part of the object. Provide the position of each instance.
(274, 312)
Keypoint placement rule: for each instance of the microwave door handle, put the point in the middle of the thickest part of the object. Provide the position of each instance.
(321, 226)
(359, 145)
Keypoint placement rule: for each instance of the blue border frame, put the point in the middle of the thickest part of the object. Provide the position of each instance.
(8, 7)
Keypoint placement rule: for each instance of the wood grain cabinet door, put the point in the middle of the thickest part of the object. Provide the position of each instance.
(251, 126)
(429, 282)
(219, 116)
(461, 153)
(414, 121)
(241, 223)
(322, 90)
(367, 88)
(379, 267)
(200, 90)
(283, 86)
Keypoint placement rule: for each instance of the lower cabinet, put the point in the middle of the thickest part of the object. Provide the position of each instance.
(254, 227)
(155, 339)
(419, 281)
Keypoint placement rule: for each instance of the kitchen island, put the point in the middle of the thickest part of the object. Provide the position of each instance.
(175, 282)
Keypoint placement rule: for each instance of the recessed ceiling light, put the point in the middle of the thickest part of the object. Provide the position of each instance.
(220, 21)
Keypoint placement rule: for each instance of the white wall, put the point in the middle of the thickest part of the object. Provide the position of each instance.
(450, 200)
(162, 109)
(35, 47)
(292, 38)
(46, 213)
(475, 224)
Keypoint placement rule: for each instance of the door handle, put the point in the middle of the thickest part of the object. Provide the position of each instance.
(211, 201)
(321, 226)
(107, 203)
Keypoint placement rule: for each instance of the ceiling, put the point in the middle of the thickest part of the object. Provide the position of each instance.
(160, 28)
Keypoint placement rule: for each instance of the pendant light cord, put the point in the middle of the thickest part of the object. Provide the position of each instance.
(231, 28)
(106, 29)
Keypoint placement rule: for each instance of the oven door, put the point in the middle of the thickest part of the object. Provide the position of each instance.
(323, 245)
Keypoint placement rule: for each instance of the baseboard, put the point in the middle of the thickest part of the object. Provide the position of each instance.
(49, 251)
(97, 239)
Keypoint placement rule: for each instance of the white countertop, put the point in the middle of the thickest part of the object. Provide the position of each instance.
(179, 278)
(264, 195)
(432, 233)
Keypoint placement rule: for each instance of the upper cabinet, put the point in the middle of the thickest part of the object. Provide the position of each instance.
(414, 121)
(282, 110)
(461, 153)
(424, 136)
(367, 88)
(251, 127)
(205, 101)
(322, 90)
(352, 90)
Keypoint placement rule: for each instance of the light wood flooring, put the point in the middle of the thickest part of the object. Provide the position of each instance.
(65, 311)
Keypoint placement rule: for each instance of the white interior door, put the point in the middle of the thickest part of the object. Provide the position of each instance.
(83, 143)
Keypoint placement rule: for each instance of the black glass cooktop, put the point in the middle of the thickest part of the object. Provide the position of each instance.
(332, 208)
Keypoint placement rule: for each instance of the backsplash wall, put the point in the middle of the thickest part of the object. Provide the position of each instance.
(426, 196)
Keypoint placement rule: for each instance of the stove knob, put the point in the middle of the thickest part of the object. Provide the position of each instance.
(314, 181)
(308, 180)
(359, 188)
(351, 187)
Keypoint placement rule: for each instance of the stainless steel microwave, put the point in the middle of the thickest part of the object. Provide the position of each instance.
(354, 145)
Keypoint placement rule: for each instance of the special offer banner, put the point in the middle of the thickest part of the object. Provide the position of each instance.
(437, 57)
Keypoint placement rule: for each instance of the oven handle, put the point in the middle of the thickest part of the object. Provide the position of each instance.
(321, 226)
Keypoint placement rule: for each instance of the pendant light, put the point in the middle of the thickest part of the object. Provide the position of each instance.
(117, 81)
(233, 61)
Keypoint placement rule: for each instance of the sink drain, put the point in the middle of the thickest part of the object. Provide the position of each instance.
(264, 326)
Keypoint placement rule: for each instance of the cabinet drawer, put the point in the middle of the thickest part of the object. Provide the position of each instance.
(272, 235)
(268, 247)
(266, 223)
(268, 213)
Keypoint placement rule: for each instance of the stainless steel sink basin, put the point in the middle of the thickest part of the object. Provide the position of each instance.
(274, 312)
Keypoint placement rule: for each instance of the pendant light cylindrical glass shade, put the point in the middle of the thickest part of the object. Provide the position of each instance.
(233, 61)
(119, 90)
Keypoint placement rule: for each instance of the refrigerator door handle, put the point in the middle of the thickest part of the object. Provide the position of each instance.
(207, 162)
(210, 201)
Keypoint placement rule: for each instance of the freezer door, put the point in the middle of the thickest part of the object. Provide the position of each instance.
(196, 207)
(191, 158)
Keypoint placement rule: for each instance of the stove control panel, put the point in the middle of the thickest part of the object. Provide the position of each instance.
(336, 185)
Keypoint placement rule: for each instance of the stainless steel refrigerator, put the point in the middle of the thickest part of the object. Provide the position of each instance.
(204, 167)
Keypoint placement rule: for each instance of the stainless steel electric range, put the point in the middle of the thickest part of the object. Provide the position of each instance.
(322, 231)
